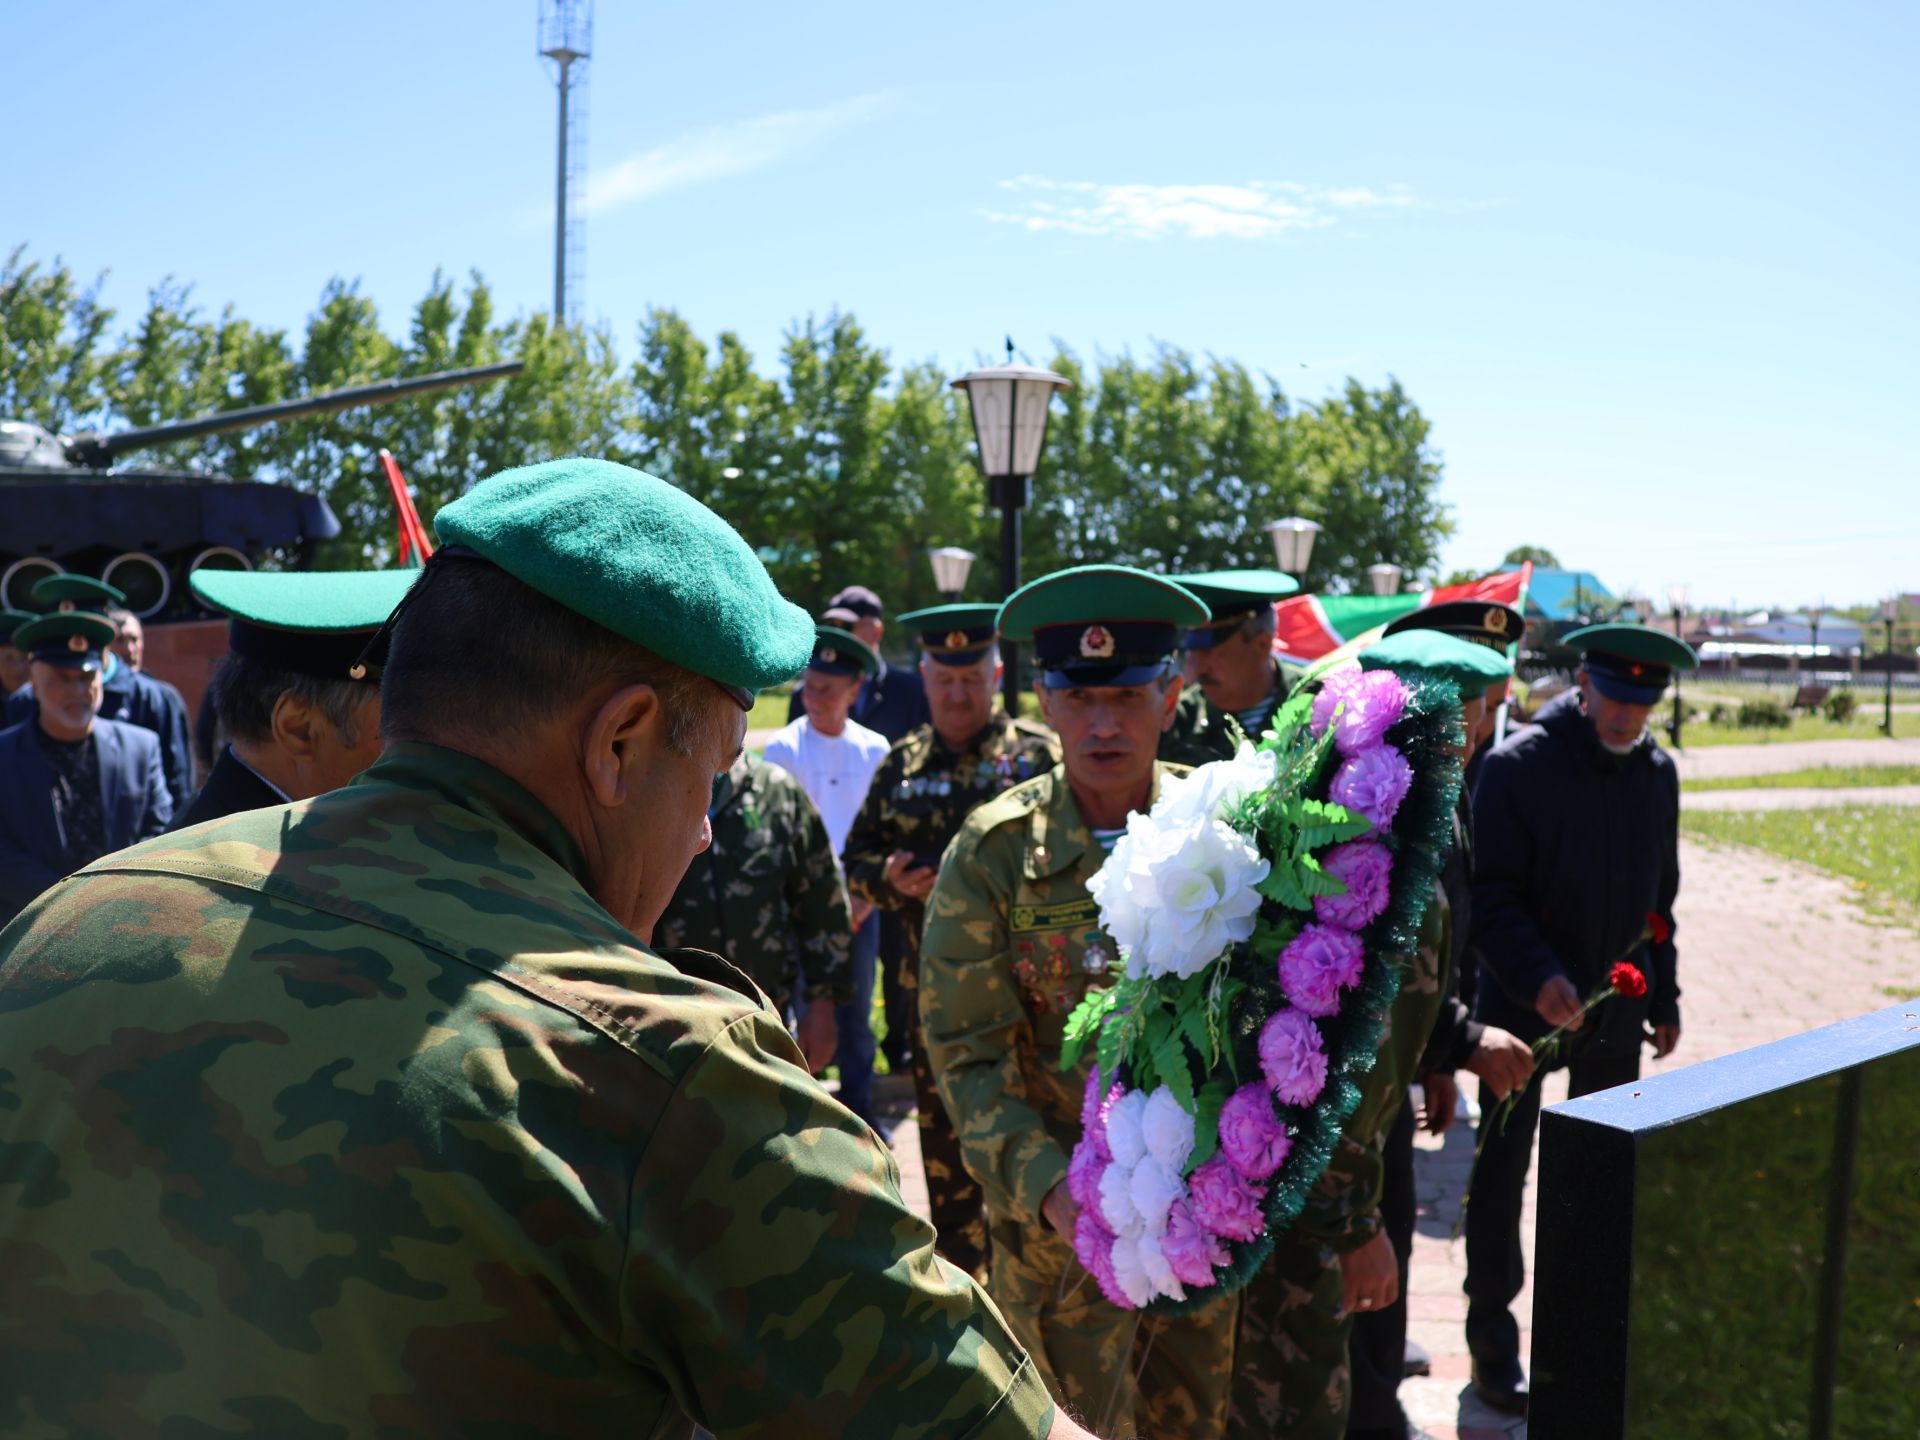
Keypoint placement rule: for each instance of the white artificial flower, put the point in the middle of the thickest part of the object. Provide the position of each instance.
(1189, 895)
(1124, 1136)
(1116, 1200)
(1130, 1271)
(1209, 792)
(1158, 1272)
(1153, 1189)
(1168, 1130)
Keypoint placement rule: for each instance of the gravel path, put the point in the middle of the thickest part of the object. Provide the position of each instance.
(1810, 798)
(1714, 762)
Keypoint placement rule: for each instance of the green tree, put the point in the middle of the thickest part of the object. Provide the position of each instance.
(1537, 554)
(54, 351)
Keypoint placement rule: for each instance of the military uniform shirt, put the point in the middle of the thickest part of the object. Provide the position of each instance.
(360, 1116)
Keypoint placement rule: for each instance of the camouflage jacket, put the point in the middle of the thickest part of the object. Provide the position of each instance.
(360, 1116)
(767, 893)
(1012, 942)
(1202, 731)
(922, 793)
(1343, 1209)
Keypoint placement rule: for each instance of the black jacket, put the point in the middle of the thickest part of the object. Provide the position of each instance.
(231, 788)
(1574, 848)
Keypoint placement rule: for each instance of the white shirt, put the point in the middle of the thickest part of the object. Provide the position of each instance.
(834, 770)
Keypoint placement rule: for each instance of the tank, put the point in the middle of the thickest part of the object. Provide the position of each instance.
(65, 507)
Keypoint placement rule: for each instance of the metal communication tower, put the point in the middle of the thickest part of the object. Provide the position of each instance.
(566, 42)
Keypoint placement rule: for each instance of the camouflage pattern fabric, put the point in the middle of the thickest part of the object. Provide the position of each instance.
(1291, 1374)
(919, 797)
(360, 1117)
(1203, 732)
(1012, 943)
(767, 893)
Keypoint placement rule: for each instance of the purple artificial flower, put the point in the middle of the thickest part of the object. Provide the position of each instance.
(1363, 866)
(1224, 1202)
(1317, 965)
(1373, 783)
(1093, 1243)
(1083, 1172)
(1251, 1135)
(1292, 1057)
(1094, 1104)
(1192, 1250)
(1369, 703)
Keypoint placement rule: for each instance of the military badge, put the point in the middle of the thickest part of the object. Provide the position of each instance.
(1094, 959)
(956, 640)
(1496, 619)
(1096, 642)
(830, 656)
(75, 643)
(67, 607)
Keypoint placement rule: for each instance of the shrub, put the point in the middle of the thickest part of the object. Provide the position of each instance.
(1840, 705)
(1764, 715)
(1719, 714)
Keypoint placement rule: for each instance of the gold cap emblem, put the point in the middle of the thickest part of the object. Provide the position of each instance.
(1496, 620)
(956, 640)
(77, 644)
(1096, 642)
(830, 656)
(67, 607)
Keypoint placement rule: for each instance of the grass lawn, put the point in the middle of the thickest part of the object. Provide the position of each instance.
(1865, 725)
(1824, 777)
(769, 710)
(1875, 846)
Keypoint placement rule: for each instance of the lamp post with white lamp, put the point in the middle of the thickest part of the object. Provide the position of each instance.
(1814, 612)
(1293, 544)
(951, 566)
(1889, 612)
(1009, 404)
(1677, 603)
(1384, 578)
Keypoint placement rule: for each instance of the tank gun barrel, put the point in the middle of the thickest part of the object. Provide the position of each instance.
(100, 450)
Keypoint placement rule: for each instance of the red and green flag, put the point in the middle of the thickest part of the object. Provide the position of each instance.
(1312, 627)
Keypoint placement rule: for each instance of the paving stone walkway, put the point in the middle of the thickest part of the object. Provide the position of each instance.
(1713, 762)
(1783, 797)
(1747, 923)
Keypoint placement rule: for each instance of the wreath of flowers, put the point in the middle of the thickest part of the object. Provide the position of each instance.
(1258, 907)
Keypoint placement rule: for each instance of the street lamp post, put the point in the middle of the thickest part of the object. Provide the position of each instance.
(1677, 602)
(1889, 611)
(951, 566)
(1009, 405)
(1293, 544)
(1384, 578)
(1814, 612)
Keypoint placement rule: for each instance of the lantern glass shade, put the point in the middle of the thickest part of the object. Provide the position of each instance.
(1293, 543)
(951, 566)
(1384, 578)
(1890, 608)
(1677, 597)
(1009, 405)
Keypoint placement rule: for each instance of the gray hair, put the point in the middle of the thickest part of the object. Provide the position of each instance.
(245, 691)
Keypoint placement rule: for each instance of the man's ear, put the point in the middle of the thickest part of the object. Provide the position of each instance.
(621, 736)
(293, 724)
(1174, 686)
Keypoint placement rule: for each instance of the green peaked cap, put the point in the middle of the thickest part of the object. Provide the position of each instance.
(1098, 593)
(305, 600)
(1633, 642)
(642, 559)
(1236, 591)
(73, 639)
(840, 652)
(75, 592)
(939, 619)
(1469, 666)
(12, 620)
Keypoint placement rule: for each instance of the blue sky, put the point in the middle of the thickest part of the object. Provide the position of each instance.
(1648, 268)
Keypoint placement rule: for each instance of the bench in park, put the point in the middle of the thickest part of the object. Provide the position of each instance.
(1733, 1249)
(1811, 697)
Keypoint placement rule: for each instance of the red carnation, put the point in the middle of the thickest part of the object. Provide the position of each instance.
(1627, 980)
(1659, 927)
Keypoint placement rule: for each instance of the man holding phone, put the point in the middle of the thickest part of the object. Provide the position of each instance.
(929, 783)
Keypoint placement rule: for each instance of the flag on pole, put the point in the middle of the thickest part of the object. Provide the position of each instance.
(415, 547)
(1309, 628)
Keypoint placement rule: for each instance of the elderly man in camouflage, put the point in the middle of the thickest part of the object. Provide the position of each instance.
(377, 1114)
(1012, 942)
(928, 784)
(767, 895)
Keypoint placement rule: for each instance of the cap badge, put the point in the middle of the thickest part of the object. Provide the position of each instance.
(956, 640)
(77, 644)
(67, 607)
(1096, 642)
(1496, 620)
(830, 656)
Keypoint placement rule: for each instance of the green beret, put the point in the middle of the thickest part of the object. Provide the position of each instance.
(1630, 642)
(1470, 667)
(839, 652)
(64, 593)
(70, 639)
(641, 558)
(313, 622)
(12, 620)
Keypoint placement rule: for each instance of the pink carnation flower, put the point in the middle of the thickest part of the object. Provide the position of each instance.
(1224, 1202)
(1083, 1172)
(1094, 1104)
(1292, 1057)
(1373, 783)
(1368, 704)
(1317, 965)
(1251, 1135)
(1192, 1250)
(1093, 1243)
(1364, 867)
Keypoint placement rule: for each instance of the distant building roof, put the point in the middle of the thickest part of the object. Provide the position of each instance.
(1562, 594)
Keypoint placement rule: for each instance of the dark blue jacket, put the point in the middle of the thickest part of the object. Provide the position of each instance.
(134, 697)
(1573, 848)
(133, 795)
(892, 702)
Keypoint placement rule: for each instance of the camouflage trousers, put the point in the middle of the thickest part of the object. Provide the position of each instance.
(1124, 1374)
(1291, 1375)
(954, 1200)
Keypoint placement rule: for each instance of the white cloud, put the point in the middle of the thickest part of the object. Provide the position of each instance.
(1256, 210)
(722, 150)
